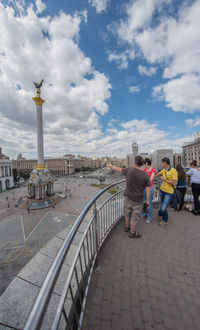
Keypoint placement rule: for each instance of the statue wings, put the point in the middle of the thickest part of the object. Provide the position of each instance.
(38, 85)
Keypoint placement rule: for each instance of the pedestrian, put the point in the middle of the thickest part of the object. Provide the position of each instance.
(181, 185)
(169, 177)
(151, 173)
(136, 181)
(194, 172)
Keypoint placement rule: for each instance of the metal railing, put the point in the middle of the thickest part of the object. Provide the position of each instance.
(70, 309)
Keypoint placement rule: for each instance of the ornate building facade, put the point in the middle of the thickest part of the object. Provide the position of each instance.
(191, 151)
(57, 166)
(6, 173)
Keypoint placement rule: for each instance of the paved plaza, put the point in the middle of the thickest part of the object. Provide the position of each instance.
(148, 283)
(23, 234)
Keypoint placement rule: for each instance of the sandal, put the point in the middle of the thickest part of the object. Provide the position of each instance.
(126, 229)
(135, 235)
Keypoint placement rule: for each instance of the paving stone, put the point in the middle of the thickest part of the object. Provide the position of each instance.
(107, 292)
(14, 312)
(33, 273)
(106, 311)
(116, 321)
(106, 325)
(156, 283)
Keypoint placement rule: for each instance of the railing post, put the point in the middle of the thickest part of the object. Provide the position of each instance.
(95, 233)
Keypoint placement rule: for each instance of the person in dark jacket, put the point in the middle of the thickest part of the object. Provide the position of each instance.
(181, 185)
(194, 172)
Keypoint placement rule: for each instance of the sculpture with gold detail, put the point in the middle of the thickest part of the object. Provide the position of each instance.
(40, 184)
(38, 100)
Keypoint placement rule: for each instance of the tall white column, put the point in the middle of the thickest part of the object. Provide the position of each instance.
(40, 147)
(39, 101)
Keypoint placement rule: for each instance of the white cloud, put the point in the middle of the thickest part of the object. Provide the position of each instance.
(172, 40)
(32, 48)
(191, 123)
(122, 59)
(85, 15)
(18, 5)
(112, 122)
(139, 16)
(100, 5)
(134, 89)
(148, 71)
(181, 94)
(40, 6)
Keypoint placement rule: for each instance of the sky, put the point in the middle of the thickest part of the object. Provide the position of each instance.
(115, 72)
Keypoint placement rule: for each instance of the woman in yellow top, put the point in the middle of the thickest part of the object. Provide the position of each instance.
(169, 177)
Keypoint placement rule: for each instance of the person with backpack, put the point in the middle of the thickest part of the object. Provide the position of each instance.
(181, 185)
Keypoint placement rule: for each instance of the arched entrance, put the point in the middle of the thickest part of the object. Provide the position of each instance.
(7, 184)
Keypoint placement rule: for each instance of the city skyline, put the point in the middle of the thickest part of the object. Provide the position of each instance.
(115, 72)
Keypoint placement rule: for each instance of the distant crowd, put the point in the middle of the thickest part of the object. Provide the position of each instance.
(140, 189)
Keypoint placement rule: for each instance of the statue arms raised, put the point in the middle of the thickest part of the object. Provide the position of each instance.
(38, 85)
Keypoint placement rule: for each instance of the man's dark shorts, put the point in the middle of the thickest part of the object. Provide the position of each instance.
(132, 210)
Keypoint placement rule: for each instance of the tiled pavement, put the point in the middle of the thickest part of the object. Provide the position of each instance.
(22, 235)
(148, 283)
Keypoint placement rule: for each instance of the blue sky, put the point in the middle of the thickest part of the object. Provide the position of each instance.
(115, 72)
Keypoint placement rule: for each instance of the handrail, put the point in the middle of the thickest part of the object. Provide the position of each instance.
(37, 313)
(77, 281)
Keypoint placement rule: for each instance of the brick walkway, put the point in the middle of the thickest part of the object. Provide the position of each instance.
(148, 283)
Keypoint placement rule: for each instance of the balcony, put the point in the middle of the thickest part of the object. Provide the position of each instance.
(101, 279)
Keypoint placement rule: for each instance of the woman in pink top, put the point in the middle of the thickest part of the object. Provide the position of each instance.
(151, 172)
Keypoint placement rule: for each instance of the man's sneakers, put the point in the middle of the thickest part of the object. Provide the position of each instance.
(159, 218)
(148, 221)
(163, 223)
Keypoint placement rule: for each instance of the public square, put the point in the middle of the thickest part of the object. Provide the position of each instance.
(23, 233)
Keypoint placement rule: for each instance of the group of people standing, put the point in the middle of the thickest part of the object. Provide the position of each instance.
(139, 191)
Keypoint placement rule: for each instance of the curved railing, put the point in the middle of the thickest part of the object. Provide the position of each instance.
(70, 309)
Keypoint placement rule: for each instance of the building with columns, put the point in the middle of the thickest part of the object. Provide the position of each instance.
(178, 159)
(6, 173)
(191, 151)
(57, 166)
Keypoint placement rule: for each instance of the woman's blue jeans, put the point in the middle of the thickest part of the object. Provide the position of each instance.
(165, 199)
(150, 208)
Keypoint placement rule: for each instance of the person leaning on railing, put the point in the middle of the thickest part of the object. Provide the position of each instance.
(136, 181)
(194, 172)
